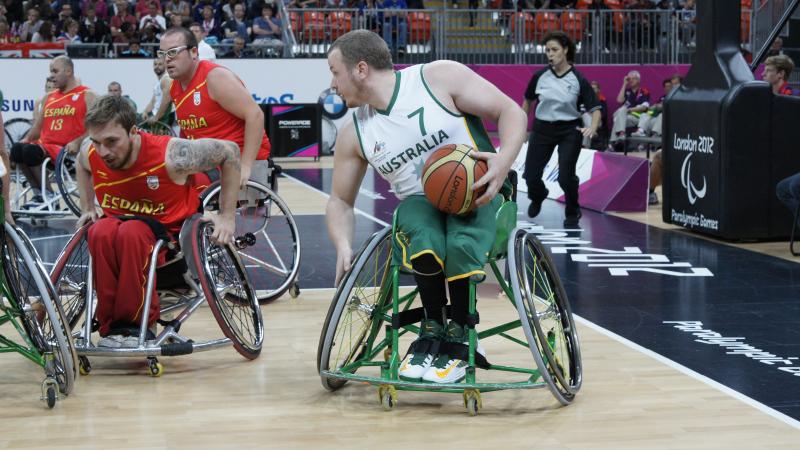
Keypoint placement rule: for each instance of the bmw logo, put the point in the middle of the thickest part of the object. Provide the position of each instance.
(332, 104)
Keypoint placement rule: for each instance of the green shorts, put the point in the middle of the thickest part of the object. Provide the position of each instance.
(460, 244)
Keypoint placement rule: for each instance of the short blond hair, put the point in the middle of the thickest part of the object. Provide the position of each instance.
(781, 63)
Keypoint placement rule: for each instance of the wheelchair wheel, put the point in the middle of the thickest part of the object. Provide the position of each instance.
(158, 128)
(363, 292)
(228, 291)
(15, 129)
(545, 315)
(70, 277)
(42, 318)
(65, 180)
(274, 260)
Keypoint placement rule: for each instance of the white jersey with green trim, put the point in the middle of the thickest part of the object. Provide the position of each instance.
(398, 141)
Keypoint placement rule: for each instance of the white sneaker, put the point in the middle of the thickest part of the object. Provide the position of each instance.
(419, 358)
(451, 370)
(640, 132)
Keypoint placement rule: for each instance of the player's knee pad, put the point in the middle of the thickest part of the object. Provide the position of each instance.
(16, 152)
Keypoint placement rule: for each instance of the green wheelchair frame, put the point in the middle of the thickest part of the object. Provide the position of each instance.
(27, 304)
(359, 313)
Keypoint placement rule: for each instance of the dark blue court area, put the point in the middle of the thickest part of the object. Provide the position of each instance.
(730, 314)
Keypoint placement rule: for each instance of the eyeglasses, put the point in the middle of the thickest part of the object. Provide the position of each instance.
(171, 53)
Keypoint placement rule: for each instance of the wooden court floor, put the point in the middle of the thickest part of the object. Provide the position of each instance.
(217, 399)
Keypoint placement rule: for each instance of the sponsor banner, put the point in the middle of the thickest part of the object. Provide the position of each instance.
(269, 81)
(608, 181)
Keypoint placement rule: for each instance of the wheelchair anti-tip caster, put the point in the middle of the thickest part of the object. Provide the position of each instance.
(387, 395)
(472, 401)
(155, 368)
(84, 366)
(50, 391)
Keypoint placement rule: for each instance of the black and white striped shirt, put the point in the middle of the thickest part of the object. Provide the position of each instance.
(560, 97)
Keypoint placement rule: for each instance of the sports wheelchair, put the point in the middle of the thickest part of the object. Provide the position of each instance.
(272, 257)
(158, 128)
(27, 302)
(369, 314)
(196, 271)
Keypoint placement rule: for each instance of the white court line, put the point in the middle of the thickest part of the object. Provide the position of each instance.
(685, 370)
(42, 238)
(369, 216)
(697, 376)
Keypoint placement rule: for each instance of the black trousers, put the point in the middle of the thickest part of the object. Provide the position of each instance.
(544, 138)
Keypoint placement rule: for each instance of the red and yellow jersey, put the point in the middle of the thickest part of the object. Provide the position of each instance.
(144, 189)
(201, 117)
(785, 89)
(62, 119)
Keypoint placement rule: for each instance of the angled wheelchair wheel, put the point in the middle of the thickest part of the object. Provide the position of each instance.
(273, 261)
(158, 128)
(70, 276)
(228, 292)
(66, 182)
(15, 130)
(351, 326)
(42, 318)
(545, 315)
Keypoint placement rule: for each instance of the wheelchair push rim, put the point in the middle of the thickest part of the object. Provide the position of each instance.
(546, 316)
(228, 291)
(70, 277)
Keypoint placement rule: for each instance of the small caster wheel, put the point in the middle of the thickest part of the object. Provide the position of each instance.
(49, 392)
(472, 401)
(51, 397)
(387, 354)
(387, 395)
(155, 368)
(294, 291)
(84, 366)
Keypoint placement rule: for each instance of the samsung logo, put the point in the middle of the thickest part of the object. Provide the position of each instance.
(18, 105)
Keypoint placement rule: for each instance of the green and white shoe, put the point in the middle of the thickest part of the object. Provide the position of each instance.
(422, 351)
(447, 368)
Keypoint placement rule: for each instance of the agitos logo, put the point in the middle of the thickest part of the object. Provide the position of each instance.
(692, 192)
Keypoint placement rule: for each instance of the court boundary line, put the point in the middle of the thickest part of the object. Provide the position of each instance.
(775, 414)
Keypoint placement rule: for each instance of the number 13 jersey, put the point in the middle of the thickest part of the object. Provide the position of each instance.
(397, 141)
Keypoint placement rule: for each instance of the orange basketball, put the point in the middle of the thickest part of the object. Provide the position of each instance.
(448, 177)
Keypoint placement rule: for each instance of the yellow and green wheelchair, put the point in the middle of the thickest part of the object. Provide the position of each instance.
(372, 311)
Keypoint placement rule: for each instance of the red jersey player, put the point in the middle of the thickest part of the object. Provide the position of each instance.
(132, 173)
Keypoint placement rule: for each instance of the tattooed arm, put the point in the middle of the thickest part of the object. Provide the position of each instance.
(185, 157)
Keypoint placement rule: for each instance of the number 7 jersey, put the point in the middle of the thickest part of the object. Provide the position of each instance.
(397, 141)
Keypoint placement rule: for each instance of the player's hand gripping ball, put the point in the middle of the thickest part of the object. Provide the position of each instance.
(448, 176)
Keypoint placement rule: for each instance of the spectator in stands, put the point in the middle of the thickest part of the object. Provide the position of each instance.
(373, 18)
(199, 6)
(143, 8)
(238, 50)
(228, 9)
(176, 20)
(650, 121)
(94, 29)
(5, 32)
(210, 24)
(676, 80)
(70, 34)
(15, 13)
(558, 4)
(776, 48)
(267, 28)
(120, 18)
(180, 7)
(31, 26)
(336, 3)
(119, 4)
(45, 33)
(99, 6)
(115, 89)
(46, 11)
(602, 128)
(204, 51)
(135, 50)
(776, 72)
(687, 18)
(395, 27)
(238, 26)
(635, 100)
(301, 4)
(153, 20)
(63, 15)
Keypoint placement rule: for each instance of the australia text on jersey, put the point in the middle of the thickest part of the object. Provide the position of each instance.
(428, 143)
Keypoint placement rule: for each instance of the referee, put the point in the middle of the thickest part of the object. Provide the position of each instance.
(559, 90)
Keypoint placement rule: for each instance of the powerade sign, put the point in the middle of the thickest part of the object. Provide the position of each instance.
(286, 97)
(18, 105)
